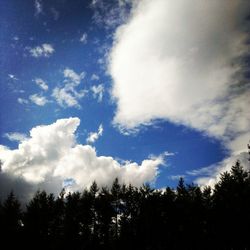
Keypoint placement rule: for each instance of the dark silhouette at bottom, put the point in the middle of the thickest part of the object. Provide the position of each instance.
(127, 217)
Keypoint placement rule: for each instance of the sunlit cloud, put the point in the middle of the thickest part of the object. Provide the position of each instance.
(98, 92)
(45, 50)
(94, 136)
(178, 62)
(51, 154)
(42, 84)
(68, 95)
(38, 99)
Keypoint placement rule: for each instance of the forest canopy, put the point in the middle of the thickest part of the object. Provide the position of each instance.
(124, 216)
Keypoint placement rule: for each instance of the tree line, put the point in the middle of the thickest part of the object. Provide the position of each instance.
(127, 217)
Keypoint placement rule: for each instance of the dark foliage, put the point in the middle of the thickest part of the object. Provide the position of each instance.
(127, 217)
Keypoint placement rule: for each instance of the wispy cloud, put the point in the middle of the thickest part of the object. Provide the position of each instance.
(42, 84)
(44, 50)
(65, 97)
(110, 14)
(38, 7)
(211, 175)
(98, 92)
(72, 77)
(83, 38)
(94, 136)
(22, 100)
(55, 13)
(68, 95)
(176, 177)
(38, 99)
(15, 136)
(13, 77)
(95, 77)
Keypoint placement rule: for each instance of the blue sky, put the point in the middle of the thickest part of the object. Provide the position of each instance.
(149, 79)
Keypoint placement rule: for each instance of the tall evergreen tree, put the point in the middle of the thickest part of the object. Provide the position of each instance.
(11, 220)
(126, 217)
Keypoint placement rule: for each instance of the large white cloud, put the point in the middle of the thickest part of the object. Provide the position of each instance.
(52, 155)
(183, 61)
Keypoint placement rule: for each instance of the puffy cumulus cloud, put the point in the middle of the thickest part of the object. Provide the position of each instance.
(42, 84)
(174, 61)
(67, 95)
(93, 136)
(38, 99)
(186, 62)
(51, 156)
(20, 187)
(45, 50)
(89, 167)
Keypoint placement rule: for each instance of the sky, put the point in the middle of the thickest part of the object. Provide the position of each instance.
(144, 90)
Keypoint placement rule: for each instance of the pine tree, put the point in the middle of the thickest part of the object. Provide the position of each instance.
(11, 220)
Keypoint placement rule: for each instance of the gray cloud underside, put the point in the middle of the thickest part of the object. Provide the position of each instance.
(51, 155)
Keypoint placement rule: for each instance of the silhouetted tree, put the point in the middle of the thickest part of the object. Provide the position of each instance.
(38, 220)
(11, 220)
(127, 217)
(230, 199)
(105, 213)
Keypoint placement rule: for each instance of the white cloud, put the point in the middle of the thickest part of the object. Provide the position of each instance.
(22, 100)
(176, 177)
(55, 13)
(64, 98)
(72, 76)
(68, 96)
(52, 155)
(12, 77)
(42, 84)
(94, 136)
(38, 8)
(83, 38)
(15, 136)
(95, 77)
(211, 175)
(181, 61)
(109, 14)
(38, 99)
(98, 92)
(45, 50)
